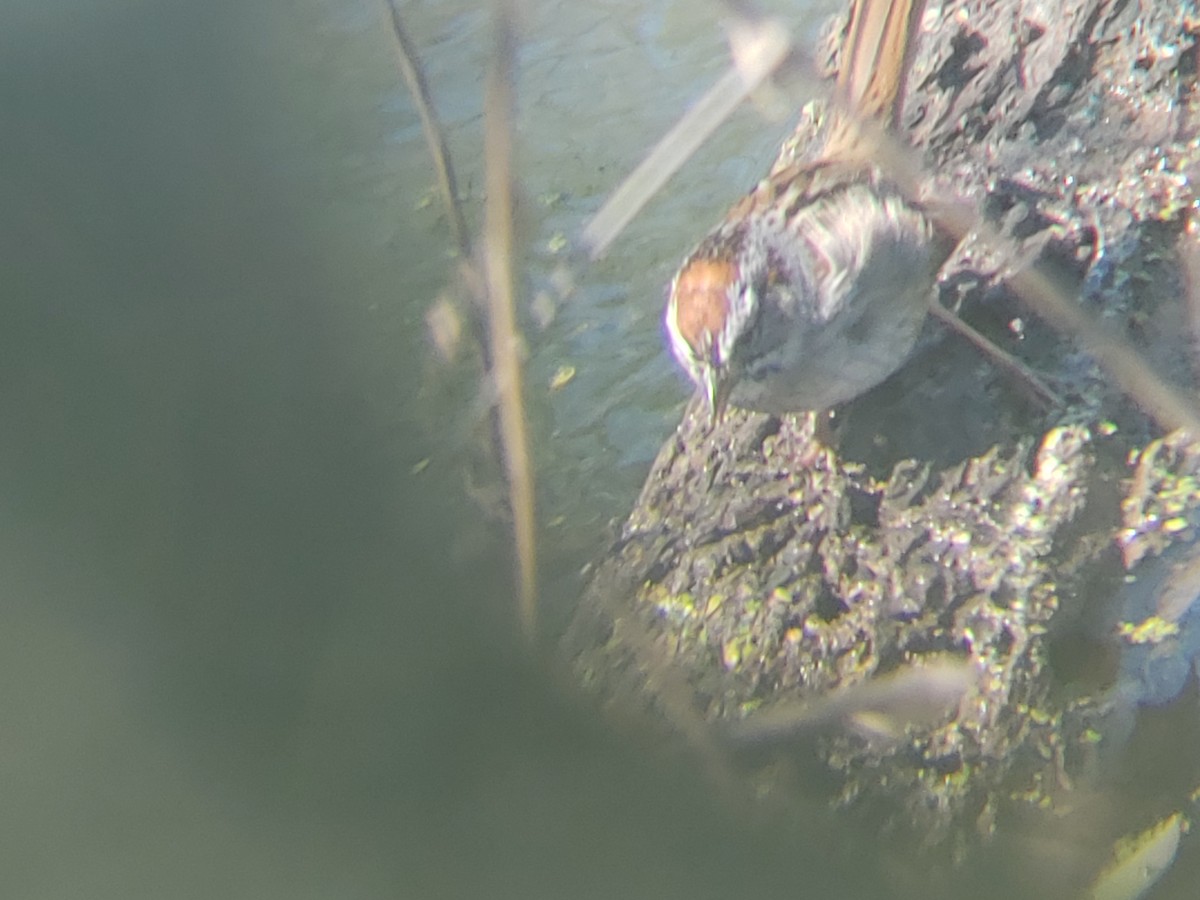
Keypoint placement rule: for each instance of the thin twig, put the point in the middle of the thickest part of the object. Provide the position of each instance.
(414, 77)
(505, 342)
(1163, 402)
(1041, 391)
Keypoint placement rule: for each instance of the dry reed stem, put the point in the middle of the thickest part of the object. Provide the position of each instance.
(888, 705)
(1188, 251)
(759, 49)
(504, 343)
(414, 77)
(504, 339)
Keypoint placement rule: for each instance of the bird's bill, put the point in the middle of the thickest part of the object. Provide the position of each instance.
(716, 393)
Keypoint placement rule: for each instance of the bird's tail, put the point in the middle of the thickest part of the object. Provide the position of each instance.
(874, 65)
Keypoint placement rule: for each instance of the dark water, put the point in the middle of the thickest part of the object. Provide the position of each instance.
(255, 641)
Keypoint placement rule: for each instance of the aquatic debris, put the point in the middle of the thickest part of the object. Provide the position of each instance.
(562, 376)
(1139, 861)
(1153, 630)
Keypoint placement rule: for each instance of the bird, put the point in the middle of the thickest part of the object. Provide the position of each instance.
(815, 286)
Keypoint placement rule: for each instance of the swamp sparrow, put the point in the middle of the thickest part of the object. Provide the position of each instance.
(815, 286)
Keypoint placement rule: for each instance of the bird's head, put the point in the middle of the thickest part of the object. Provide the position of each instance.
(700, 325)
